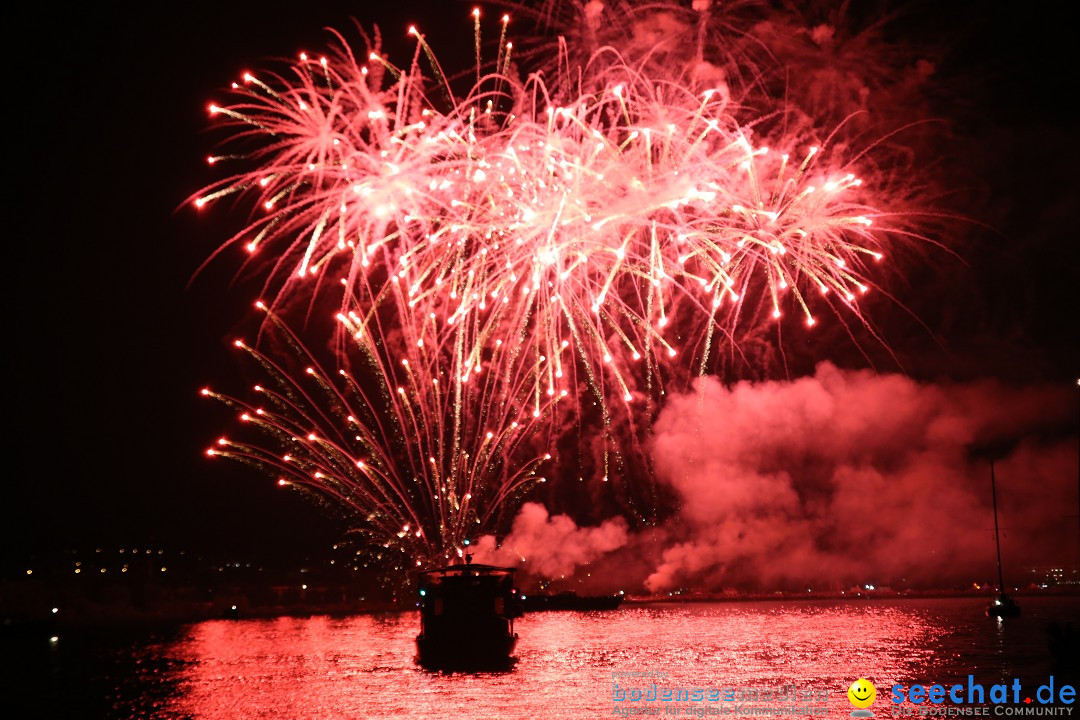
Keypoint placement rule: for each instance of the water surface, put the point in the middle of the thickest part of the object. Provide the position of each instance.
(362, 666)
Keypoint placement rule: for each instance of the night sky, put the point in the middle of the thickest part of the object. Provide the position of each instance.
(111, 335)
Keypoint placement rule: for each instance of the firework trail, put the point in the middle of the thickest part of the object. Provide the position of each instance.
(494, 252)
(423, 452)
(603, 212)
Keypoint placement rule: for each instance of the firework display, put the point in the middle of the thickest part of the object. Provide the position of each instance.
(496, 254)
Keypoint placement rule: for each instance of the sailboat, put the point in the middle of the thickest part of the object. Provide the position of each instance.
(1001, 606)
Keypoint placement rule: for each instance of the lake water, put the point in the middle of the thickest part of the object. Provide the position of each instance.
(362, 666)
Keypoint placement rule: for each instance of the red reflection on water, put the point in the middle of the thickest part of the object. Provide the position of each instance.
(363, 666)
(294, 667)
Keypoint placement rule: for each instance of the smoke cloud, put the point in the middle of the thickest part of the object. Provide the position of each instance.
(852, 477)
(551, 546)
(838, 479)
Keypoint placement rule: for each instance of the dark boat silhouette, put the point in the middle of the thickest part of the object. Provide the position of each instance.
(467, 616)
(1001, 606)
(569, 600)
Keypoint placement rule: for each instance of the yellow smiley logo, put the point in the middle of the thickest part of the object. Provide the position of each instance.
(862, 693)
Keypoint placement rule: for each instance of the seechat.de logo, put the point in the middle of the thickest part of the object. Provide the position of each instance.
(861, 694)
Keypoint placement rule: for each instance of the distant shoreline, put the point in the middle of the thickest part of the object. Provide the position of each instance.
(780, 596)
(89, 617)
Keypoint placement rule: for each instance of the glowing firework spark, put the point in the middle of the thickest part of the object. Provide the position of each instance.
(425, 454)
(495, 252)
(597, 216)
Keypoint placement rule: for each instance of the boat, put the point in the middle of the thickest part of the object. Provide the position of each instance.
(569, 600)
(1002, 606)
(467, 616)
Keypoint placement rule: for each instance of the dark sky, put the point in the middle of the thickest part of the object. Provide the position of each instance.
(109, 343)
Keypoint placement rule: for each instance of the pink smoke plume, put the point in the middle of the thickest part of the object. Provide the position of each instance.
(549, 546)
(838, 479)
(854, 477)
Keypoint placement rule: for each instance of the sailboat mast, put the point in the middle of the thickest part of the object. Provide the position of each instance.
(997, 537)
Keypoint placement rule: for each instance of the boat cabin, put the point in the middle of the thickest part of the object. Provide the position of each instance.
(467, 616)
